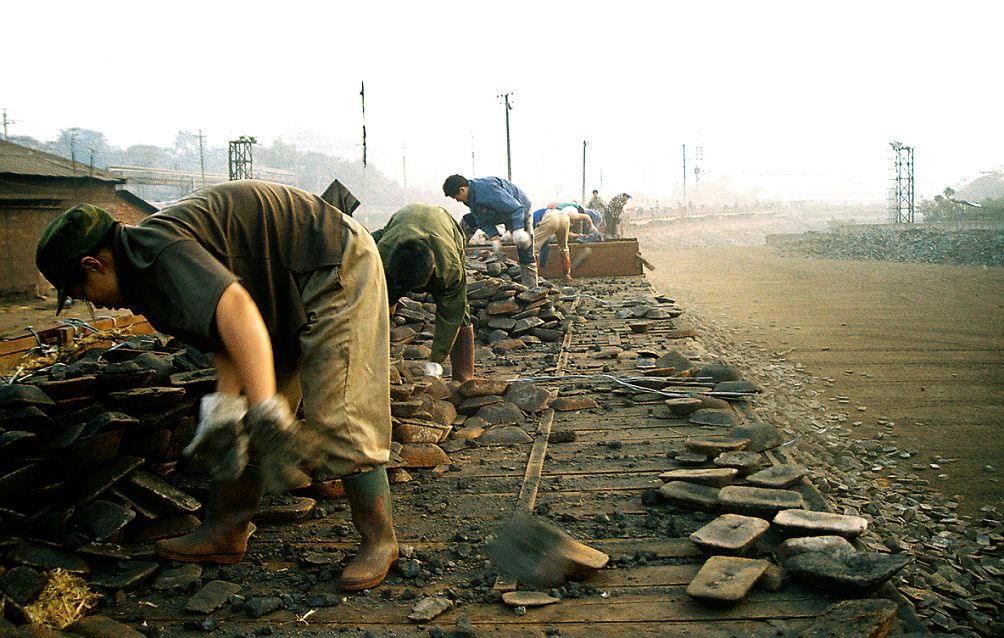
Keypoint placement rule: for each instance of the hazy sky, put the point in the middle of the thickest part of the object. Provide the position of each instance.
(795, 99)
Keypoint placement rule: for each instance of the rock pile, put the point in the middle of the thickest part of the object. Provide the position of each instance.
(905, 242)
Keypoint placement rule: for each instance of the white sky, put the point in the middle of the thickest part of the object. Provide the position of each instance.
(797, 99)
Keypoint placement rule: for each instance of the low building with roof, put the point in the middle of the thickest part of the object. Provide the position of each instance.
(35, 187)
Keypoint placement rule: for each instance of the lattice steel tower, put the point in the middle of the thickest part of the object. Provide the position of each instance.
(901, 200)
(241, 160)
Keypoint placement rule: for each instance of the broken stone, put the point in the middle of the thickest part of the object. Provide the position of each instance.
(718, 372)
(526, 324)
(870, 618)
(726, 579)
(683, 406)
(743, 460)
(483, 387)
(527, 396)
(524, 598)
(443, 412)
(721, 418)
(212, 596)
(414, 352)
(758, 501)
(761, 436)
(423, 455)
(856, 574)
(429, 608)
(101, 627)
(690, 495)
(505, 435)
(562, 436)
(155, 489)
(538, 553)
(258, 606)
(804, 522)
(777, 476)
(19, 479)
(568, 404)
(690, 458)
(99, 520)
(547, 335)
(405, 409)
(21, 395)
(410, 432)
(803, 544)
(97, 448)
(181, 577)
(49, 558)
(503, 413)
(473, 404)
(715, 477)
(674, 359)
(715, 445)
(144, 399)
(730, 534)
(532, 295)
(737, 387)
(22, 584)
(123, 574)
(503, 307)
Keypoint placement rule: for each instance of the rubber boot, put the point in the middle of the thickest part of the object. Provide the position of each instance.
(223, 535)
(369, 499)
(566, 266)
(462, 355)
(528, 275)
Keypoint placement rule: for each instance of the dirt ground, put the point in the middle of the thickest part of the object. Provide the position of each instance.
(916, 344)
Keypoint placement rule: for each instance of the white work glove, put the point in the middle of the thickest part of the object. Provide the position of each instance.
(432, 369)
(522, 238)
(496, 245)
(278, 442)
(220, 435)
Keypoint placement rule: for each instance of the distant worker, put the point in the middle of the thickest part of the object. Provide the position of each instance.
(277, 284)
(597, 203)
(422, 249)
(614, 211)
(494, 201)
(555, 222)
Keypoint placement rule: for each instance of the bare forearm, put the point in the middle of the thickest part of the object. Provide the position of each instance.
(247, 347)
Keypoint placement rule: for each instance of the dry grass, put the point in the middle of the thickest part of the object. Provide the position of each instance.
(65, 599)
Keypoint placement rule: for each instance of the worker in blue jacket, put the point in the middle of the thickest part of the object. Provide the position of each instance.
(494, 201)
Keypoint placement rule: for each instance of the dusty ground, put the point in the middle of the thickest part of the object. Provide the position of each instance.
(919, 345)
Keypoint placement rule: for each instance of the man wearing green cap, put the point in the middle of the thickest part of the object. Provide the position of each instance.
(422, 248)
(276, 283)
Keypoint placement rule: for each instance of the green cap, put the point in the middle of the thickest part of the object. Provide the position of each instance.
(70, 237)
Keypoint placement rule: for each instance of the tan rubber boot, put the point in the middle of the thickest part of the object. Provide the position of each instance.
(462, 355)
(223, 535)
(566, 266)
(369, 499)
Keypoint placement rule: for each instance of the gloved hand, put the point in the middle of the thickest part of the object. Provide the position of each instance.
(278, 442)
(496, 245)
(220, 435)
(432, 369)
(522, 238)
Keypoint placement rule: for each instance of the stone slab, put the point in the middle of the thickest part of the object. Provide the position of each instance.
(860, 573)
(803, 544)
(758, 501)
(730, 534)
(803, 522)
(212, 596)
(505, 435)
(690, 495)
(720, 418)
(746, 461)
(715, 477)
(714, 445)
(569, 404)
(102, 627)
(528, 599)
(777, 476)
(726, 579)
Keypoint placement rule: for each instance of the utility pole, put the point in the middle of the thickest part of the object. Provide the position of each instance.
(202, 158)
(508, 148)
(91, 171)
(583, 201)
(473, 172)
(404, 171)
(73, 148)
(362, 94)
(6, 123)
(684, 176)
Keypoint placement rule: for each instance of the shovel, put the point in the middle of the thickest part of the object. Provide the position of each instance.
(541, 555)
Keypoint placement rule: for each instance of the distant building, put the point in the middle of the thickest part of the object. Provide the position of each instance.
(35, 187)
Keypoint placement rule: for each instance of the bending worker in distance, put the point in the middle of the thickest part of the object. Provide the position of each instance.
(555, 221)
(273, 281)
(495, 201)
(422, 248)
